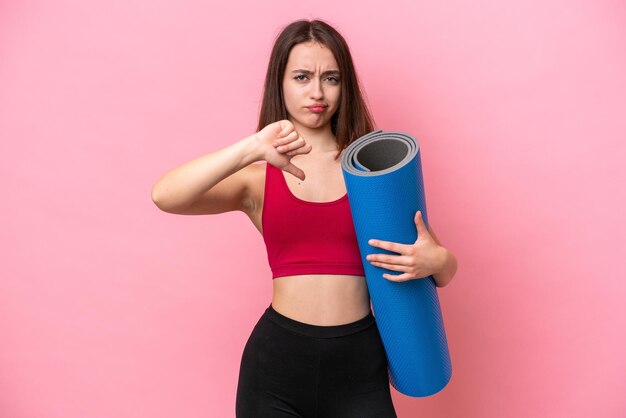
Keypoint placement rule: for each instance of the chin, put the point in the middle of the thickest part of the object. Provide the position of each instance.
(317, 125)
(320, 123)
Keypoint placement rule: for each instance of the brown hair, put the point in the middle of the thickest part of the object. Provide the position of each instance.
(352, 118)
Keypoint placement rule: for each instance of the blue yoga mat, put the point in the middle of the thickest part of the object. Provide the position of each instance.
(383, 176)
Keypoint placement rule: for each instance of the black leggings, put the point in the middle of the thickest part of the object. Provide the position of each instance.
(293, 369)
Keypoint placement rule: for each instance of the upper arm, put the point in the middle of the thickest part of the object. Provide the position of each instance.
(232, 193)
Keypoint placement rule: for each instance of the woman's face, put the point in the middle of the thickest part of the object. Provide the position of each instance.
(311, 85)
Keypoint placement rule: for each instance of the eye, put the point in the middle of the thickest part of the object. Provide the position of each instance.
(300, 77)
(333, 80)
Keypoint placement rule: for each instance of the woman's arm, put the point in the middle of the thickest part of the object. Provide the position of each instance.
(447, 264)
(220, 181)
(192, 187)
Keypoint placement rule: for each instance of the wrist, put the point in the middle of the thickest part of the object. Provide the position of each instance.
(442, 256)
(251, 150)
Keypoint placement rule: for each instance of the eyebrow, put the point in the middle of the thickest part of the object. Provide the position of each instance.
(311, 72)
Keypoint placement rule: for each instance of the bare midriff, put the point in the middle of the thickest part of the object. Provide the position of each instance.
(321, 299)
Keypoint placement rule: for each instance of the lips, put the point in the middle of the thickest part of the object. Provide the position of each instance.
(317, 108)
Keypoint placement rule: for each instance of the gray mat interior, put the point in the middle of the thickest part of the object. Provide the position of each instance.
(382, 154)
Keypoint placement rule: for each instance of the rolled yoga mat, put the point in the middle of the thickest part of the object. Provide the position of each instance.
(383, 176)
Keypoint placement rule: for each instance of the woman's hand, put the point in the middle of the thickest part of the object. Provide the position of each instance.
(422, 259)
(279, 141)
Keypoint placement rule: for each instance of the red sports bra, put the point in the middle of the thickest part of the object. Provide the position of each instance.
(305, 237)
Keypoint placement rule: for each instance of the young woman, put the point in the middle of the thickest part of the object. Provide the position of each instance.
(316, 350)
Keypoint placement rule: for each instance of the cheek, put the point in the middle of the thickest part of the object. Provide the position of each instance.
(336, 97)
(287, 101)
(289, 96)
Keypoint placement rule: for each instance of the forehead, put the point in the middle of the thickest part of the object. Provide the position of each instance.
(311, 55)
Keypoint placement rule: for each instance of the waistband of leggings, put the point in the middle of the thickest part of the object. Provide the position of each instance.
(320, 331)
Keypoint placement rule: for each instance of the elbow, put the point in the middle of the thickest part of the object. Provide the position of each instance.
(159, 198)
(166, 201)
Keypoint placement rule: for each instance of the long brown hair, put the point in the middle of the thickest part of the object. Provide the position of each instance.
(352, 119)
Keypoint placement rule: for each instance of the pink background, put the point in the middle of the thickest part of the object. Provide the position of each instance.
(111, 308)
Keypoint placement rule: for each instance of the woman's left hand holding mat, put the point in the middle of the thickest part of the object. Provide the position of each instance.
(421, 259)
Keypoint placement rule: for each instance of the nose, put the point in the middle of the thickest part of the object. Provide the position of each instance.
(316, 89)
